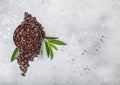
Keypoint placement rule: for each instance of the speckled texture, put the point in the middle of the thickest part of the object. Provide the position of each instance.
(91, 28)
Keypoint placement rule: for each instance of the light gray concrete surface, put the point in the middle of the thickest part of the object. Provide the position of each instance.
(91, 28)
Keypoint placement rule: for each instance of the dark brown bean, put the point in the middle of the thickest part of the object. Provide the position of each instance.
(27, 37)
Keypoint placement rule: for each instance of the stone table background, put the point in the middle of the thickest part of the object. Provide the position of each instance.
(91, 28)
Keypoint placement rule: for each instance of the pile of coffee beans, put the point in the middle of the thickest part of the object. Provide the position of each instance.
(28, 39)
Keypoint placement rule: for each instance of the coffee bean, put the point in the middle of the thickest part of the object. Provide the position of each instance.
(23, 74)
(28, 39)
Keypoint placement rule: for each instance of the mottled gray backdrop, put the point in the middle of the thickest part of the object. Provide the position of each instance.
(91, 28)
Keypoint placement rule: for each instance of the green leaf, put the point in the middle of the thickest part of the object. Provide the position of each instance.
(50, 45)
(48, 37)
(15, 54)
(58, 42)
(51, 53)
(47, 49)
(53, 46)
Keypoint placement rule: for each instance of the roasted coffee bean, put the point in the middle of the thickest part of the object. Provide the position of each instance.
(28, 39)
(23, 74)
(43, 34)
